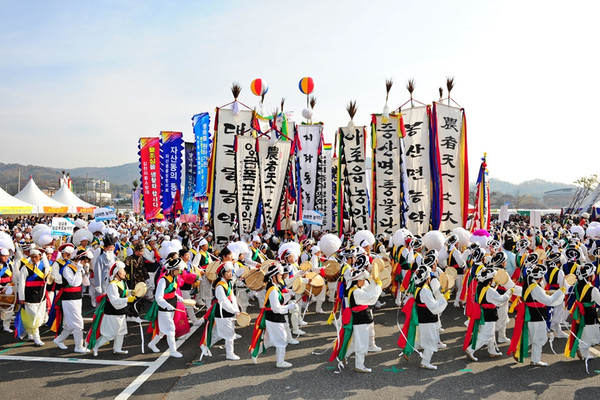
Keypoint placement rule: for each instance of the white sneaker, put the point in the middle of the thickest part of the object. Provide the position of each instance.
(503, 340)
(120, 351)
(561, 335)
(82, 350)
(302, 323)
(293, 341)
(39, 343)
(283, 364)
(321, 311)
(198, 322)
(298, 332)
(374, 349)
(153, 347)
(427, 366)
(495, 355)
(176, 354)
(539, 364)
(60, 345)
(232, 357)
(95, 352)
(238, 336)
(441, 345)
(363, 370)
(470, 355)
(8, 330)
(378, 305)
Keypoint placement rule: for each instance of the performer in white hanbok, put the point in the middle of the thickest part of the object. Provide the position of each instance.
(164, 306)
(361, 295)
(111, 313)
(32, 294)
(488, 300)
(70, 294)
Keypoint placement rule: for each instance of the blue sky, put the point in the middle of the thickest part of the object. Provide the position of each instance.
(80, 82)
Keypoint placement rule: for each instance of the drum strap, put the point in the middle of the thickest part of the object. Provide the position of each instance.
(6, 270)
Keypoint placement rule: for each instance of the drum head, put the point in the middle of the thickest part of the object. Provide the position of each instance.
(332, 270)
(379, 264)
(305, 266)
(386, 278)
(541, 254)
(451, 272)
(243, 319)
(298, 286)
(255, 280)
(443, 278)
(189, 302)
(211, 270)
(570, 279)
(140, 289)
(501, 277)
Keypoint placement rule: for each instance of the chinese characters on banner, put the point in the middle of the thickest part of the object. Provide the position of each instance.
(201, 125)
(224, 202)
(190, 203)
(274, 162)
(170, 154)
(150, 168)
(248, 189)
(449, 124)
(418, 169)
(387, 175)
(309, 138)
(352, 153)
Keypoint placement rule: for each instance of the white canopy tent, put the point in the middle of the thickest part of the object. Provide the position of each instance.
(42, 204)
(76, 205)
(11, 206)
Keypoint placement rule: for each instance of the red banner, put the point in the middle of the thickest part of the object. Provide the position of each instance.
(150, 167)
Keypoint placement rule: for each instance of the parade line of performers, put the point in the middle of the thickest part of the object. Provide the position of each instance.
(546, 278)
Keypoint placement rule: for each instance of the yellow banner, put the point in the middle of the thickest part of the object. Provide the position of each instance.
(16, 210)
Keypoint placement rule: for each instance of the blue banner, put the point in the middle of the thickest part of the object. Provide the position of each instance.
(171, 147)
(190, 204)
(201, 125)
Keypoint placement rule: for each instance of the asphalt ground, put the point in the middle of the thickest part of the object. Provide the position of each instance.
(66, 375)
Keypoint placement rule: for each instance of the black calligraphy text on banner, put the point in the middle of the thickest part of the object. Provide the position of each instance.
(247, 178)
(287, 208)
(418, 168)
(388, 176)
(224, 202)
(449, 128)
(274, 163)
(353, 148)
(309, 137)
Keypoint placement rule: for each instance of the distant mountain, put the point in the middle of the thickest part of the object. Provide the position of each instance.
(126, 173)
(534, 187)
(119, 175)
(49, 177)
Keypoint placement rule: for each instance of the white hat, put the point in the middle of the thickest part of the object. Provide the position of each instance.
(34, 252)
(202, 242)
(117, 266)
(4, 252)
(315, 249)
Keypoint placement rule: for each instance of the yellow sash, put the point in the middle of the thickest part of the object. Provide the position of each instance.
(33, 268)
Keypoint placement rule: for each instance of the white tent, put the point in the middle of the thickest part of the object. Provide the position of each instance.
(42, 203)
(76, 205)
(11, 206)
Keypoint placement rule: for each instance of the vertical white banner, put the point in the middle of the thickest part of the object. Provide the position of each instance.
(388, 176)
(273, 168)
(224, 202)
(309, 138)
(449, 129)
(247, 178)
(418, 169)
(355, 180)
